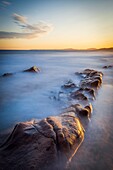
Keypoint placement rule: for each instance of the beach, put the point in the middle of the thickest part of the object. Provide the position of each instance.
(26, 96)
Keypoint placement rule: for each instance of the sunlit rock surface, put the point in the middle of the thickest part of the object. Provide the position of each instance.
(42, 144)
(32, 69)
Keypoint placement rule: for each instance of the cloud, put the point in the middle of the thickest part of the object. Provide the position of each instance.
(28, 30)
(19, 18)
(10, 35)
(6, 3)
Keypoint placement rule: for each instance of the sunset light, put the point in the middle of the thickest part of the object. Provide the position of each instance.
(56, 24)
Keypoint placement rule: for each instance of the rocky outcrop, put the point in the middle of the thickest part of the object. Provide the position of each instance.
(69, 84)
(90, 82)
(87, 91)
(51, 143)
(7, 74)
(92, 78)
(83, 111)
(32, 69)
(78, 96)
(109, 66)
(79, 110)
(39, 145)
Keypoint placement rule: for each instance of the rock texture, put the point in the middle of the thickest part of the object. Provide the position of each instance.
(39, 145)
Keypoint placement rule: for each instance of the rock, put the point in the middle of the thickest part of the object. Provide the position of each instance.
(93, 79)
(98, 78)
(109, 66)
(42, 144)
(83, 111)
(69, 109)
(95, 83)
(89, 108)
(32, 69)
(89, 91)
(7, 74)
(78, 96)
(91, 72)
(69, 84)
(87, 71)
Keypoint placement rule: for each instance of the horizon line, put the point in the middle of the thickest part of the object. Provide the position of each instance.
(63, 49)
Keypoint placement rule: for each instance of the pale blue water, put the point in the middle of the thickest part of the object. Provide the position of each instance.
(25, 96)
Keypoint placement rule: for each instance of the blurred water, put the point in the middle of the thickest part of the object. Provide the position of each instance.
(25, 96)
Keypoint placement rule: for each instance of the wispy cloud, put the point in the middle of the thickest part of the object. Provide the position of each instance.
(19, 18)
(28, 30)
(10, 35)
(6, 3)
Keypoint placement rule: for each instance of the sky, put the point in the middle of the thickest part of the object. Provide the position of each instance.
(56, 24)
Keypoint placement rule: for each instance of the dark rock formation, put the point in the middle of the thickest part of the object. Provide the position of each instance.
(109, 66)
(93, 83)
(89, 91)
(32, 69)
(7, 74)
(93, 79)
(83, 111)
(90, 72)
(69, 84)
(78, 96)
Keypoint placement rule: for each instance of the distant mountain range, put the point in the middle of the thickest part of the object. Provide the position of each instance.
(67, 49)
(90, 49)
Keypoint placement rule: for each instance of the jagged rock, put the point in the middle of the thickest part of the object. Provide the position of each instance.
(83, 111)
(109, 66)
(37, 145)
(98, 77)
(69, 84)
(32, 69)
(87, 71)
(91, 72)
(69, 109)
(93, 79)
(89, 108)
(7, 74)
(91, 83)
(78, 96)
(89, 91)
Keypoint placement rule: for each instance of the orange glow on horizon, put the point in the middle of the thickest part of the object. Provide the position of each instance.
(14, 44)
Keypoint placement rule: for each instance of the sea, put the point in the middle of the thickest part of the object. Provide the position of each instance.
(26, 96)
